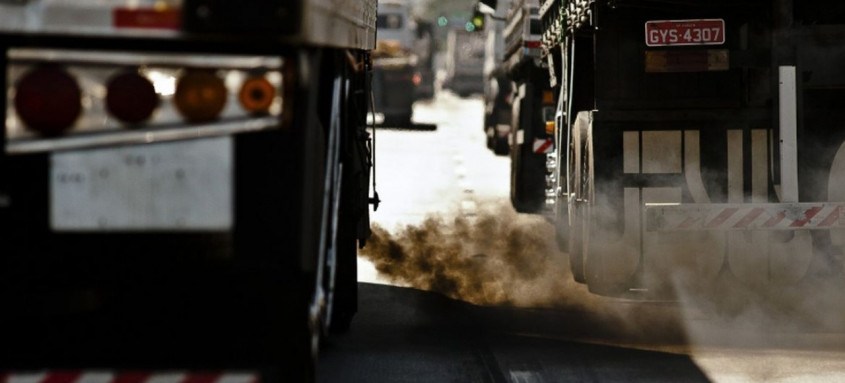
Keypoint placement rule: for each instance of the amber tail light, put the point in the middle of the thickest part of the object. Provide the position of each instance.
(200, 95)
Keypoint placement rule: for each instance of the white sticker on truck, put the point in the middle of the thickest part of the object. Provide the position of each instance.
(184, 185)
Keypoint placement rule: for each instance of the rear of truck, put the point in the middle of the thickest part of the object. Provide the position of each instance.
(531, 137)
(702, 141)
(464, 62)
(498, 88)
(182, 186)
(395, 63)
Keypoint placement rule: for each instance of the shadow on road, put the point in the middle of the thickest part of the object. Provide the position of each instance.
(409, 335)
(414, 126)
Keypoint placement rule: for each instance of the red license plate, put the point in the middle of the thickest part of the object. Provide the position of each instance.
(659, 33)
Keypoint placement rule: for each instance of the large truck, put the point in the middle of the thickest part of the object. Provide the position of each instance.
(498, 88)
(530, 138)
(699, 141)
(183, 186)
(424, 48)
(464, 62)
(395, 63)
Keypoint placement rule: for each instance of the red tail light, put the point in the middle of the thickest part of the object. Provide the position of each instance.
(131, 98)
(48, 100)
(200, 95)
(417, 79)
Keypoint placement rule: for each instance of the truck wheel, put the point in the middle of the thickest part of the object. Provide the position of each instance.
(580, 184)
(562, 224)
(500, 145)
(404, 120)
(345, 303)
(527, 179)
(352, 205)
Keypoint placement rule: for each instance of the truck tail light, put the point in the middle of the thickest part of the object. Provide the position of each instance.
(533, 44)
(417, 79)
(48, 100)
(200, 95)
(131, 98)
(61, 99)
(257, 95)
(548, 97)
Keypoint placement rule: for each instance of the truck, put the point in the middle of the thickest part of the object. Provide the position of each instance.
(424, 48)
(464, 62)
(395, 63)
(698, 142)
(498, 88)
(183, 186)
(532, 107)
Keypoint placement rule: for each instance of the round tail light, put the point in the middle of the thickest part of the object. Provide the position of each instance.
(48, 100)
(257, 95)
(200, 95)
(131, 98)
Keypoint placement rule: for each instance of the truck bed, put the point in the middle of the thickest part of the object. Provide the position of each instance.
(334, 23)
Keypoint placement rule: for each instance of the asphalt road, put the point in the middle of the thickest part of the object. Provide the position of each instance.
(408, 335)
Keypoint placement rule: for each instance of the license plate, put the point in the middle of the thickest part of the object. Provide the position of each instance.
(171, 186)
(660, 33)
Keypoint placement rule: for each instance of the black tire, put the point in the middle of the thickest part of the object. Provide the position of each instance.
(346, 285)
(581, 185)
(353, 219)
(500, 146)
(398, 120)
(562, 225)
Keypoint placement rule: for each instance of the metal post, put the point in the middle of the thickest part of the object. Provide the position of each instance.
(788, 117)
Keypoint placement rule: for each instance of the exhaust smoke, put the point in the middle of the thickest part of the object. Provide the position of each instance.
(501, 260)
(509, 263)
(494, 258)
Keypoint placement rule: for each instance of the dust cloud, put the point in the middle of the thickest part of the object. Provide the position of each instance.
(507, 262)
(496, 257)
(503, 260)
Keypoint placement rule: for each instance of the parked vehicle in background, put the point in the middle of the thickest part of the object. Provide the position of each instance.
(183, 186)
(464, 62)
(424, 48)
(498, 88)
(395, 63)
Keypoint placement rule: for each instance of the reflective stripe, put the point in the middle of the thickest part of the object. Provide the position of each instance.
(71, 376)
(96, 377)
(795, 216)
(542, 146)
(25, 378)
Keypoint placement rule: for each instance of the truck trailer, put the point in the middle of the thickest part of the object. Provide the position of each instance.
(697, 141)
(183, 186)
